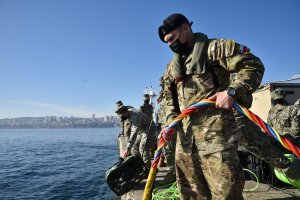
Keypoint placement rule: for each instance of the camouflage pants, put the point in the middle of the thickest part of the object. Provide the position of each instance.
(259, 143)
(135, 148)
(205, 167)
(143, 143)
(169, 152)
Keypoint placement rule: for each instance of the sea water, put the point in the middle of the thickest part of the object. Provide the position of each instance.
(56, 163)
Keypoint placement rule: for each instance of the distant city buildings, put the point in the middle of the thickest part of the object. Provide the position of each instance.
(59, 122)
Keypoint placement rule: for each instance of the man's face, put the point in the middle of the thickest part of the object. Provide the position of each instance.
(146, 100)
(178, 33)
(178, 40)
(124, 115)
(172, 36)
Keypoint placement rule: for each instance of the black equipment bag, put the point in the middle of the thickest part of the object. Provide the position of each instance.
(126, 174)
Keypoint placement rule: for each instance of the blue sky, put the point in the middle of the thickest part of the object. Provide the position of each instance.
(78, 57)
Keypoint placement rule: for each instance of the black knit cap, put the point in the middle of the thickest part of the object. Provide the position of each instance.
(170, 24)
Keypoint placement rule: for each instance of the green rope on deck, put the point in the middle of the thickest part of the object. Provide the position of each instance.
(172, 191)
(256, 178)
(169, 193)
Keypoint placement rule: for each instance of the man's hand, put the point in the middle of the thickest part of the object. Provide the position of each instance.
(223, 100)
(166, 135)
(125, 154)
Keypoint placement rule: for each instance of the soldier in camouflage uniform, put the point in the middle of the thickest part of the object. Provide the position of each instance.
(160, 111)
(146, 107)
(125, 124)
(141, 126)
(126, 130)
(284, 118)
(297, 106)
(207, 165)
(172, 110)
(169, 148)
(253, 139)
(160, 122)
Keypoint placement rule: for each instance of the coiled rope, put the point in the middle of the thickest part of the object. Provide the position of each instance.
(285, 142)
(171, 192)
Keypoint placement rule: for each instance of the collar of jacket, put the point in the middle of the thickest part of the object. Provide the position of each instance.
(199, 58)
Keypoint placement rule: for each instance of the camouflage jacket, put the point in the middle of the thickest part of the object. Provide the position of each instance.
(126, 127)
(140, 123)
(147, 109)
(161, 112)
(197, 80)
(171, 105)
(208, 67)
(285, 119)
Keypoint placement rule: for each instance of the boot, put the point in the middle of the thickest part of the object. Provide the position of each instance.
(162, 162)
(169, 178)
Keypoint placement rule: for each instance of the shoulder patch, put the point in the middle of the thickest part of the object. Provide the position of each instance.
(221, 48)
(242, 48)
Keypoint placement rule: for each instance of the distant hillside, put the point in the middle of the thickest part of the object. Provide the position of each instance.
(59, 122)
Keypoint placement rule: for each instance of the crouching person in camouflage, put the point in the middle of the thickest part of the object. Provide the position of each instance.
(207, 164)
(141, 127)
(125, 124)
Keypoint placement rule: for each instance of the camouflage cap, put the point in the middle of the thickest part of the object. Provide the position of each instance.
(278, 94)
(171, 23)
(120, 108)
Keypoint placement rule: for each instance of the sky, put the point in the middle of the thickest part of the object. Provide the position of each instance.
(78, 57)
